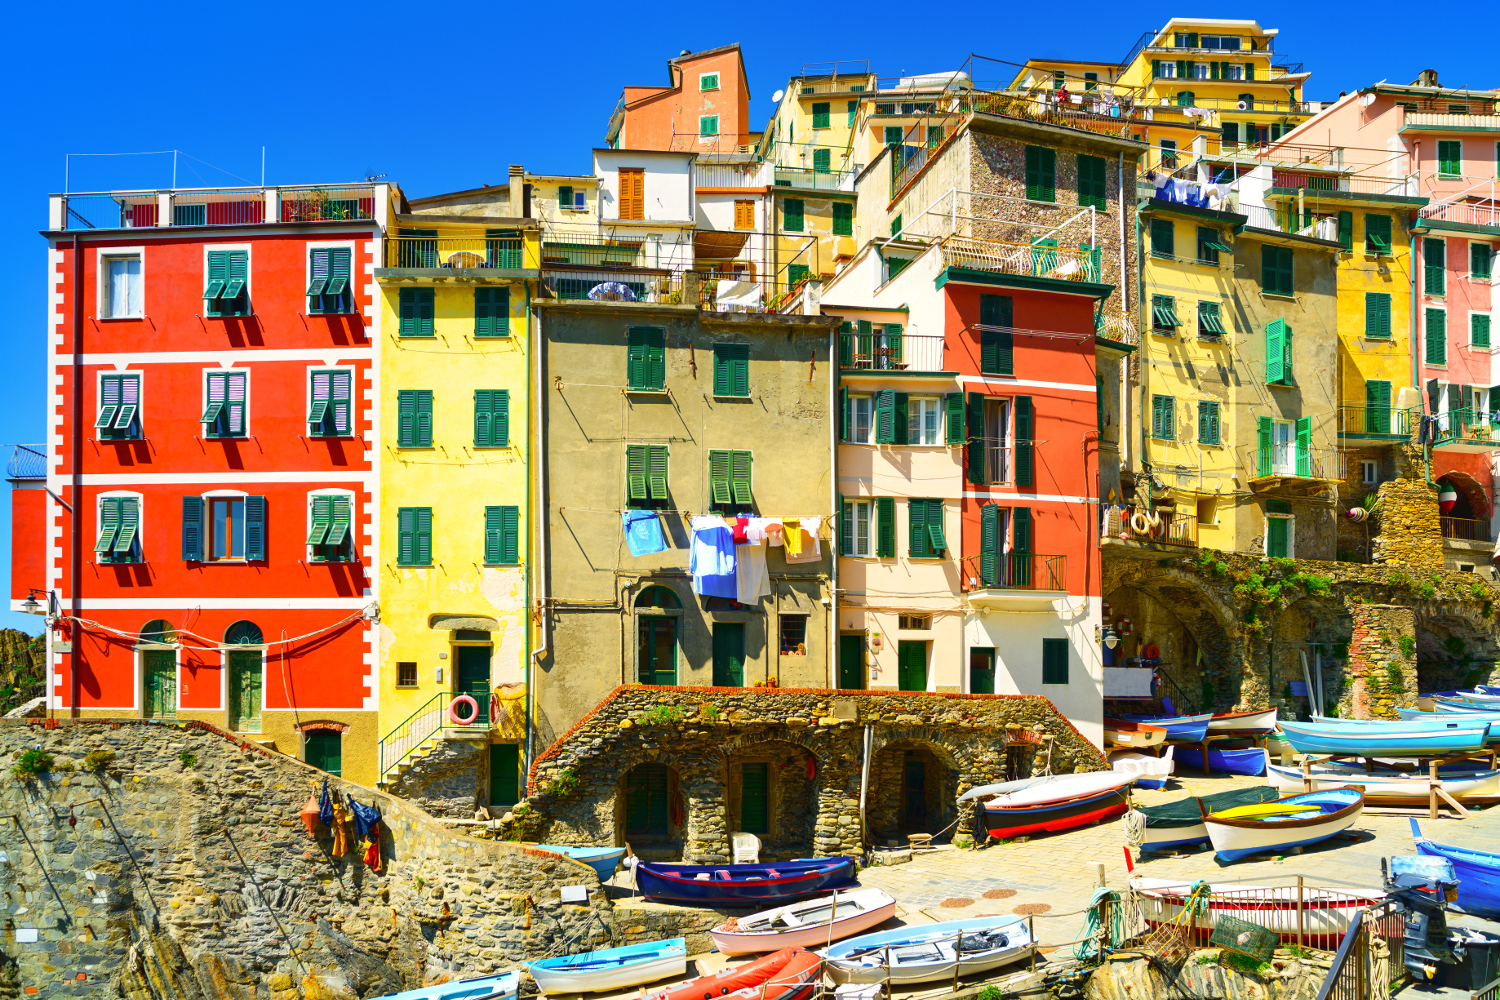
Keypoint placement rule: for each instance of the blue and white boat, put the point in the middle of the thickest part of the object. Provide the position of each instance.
(1428, 720)
(502, 986)
(925, 952)
(611, 968)
(1248, 760)
(603, 860)
(1478, 874)
(1385, 739)
(1180, 728)
(1284, 825)
(1457, 706)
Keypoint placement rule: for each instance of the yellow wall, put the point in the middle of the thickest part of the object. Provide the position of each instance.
(817, 228)
(1362, 358)
(793, 122)
(457, 480)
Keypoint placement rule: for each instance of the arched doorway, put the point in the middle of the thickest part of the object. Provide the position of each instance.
(1454, 652)
(772, 790)
(650, 807)
(658, 612)
(913, 788)
(246, 683)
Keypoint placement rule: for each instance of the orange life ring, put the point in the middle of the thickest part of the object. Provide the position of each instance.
(1151, 651)
(453, 710)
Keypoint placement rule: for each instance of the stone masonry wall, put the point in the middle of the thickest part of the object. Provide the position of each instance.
(445, 781)
(150, 879)
(1410, 533)
(1382, 664)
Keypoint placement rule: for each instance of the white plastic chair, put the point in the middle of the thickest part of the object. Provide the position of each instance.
(746, 848)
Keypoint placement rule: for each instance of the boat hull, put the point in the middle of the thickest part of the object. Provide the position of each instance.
(1003, 822)
(731, 940)
(783, 883)
(1385, 788)
(1236, 839)
(612, 968)
(925, 953)
(1149, 771)
(1478, 874)
(1133, 735)
(1251, 762)
(1392, 740)
(604, 860)
(505, 986)
(1180, 728)
(1326, 911)
(787, 974)
(1243, 722)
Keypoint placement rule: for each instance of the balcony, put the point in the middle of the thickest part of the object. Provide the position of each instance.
(217, 207)
(1418, 121)
(882, 352)
(819, 180)
(1033, 260)
(1468, 432)
(1149, 530)
(1465, 530)
(1463, 213)
(1018, 581)
(27, 462)
(1381, 423)
(1288, 182)
(459, 256)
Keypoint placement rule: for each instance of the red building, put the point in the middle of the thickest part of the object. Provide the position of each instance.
(205, 528)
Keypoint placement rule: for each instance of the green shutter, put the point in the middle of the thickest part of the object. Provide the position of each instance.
(1479, 330)
(731, 369)
(846, 527)
(564, 197)
(322, 519)
(318, 265)
(885, 417)
(1275, 351)
(1208, 422)
(192, 529)
(510, 539)
(1481, 258)
(646, 358)
(1450, 158)
(1437, 337)
(414, 536)
(1020, 530)
(893, 343)
(996, 341)
(1276, 275)
(1024, 473)
(1263, 440)
(916, 529)
(1091, 189)
(739, 476)
(495, 534)
(1434, 262)
(718, 477)
(1054, 661)
(217, 394)
(1377, 407)
(1304, 446)
(635, 471)
(975, 421)
(406, 425)
(853, 111)
(416, 312)
(109, 524)
(843, 219)
(338, 528)
(935, 536)
(843, 413)
(1346, 230)
(953, 404)
(491, 312)
(791, 215)
(822, 161)
(885, 527)
(492, 418)
(846, 348)
(130, 520)
(1163, 242)
(656, 471)
(989, 545)
(255, 529)
(901, 418)
(820, 114)
(1041, 174)
(1378, 234)
(218, 276)
(1378, 315)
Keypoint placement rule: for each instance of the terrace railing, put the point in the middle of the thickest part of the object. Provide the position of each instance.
(1377, 420)
(216, 206)
(882, 351)
(1465, 529)
(427, 723)
(502, 249)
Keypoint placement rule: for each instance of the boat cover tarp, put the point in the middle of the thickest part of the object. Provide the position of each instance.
(1184, 812)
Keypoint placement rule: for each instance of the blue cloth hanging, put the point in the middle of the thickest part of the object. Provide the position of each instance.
(364, 818)
(325, 806)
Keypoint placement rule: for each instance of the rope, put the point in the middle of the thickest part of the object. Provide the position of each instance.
(1134, 824)
(1093, 943)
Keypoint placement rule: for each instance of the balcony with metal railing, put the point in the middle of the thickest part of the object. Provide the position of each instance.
(1465, 529)
(1381, 423)
(1330, 185)
(27, 462)
(1017, 581)
(1420, 121)
(1468, 431)
(1038, 260)
(478, 254)
(879, 351)
(1148, 529)
(1463, 213)
(252, 206)
(817, 180)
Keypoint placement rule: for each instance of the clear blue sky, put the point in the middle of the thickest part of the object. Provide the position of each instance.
(444, 97)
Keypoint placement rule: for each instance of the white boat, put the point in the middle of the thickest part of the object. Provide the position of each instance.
(926, 952)
(812, 923)
(611, 968)
(1326, 910)
(1243, 722)
(501, 986)
(1386, 786)
(1282, 830)
(1048, 788)
(1150, 772)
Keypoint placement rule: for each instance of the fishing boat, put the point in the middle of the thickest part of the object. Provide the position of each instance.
(1452, 706)
(742, 885)
(1251, 760)
(1469, 715)
(788, 974)
(1325, 910)
(1387, 787)
(502, 986)
(1179, 824)
(1263, 721)
(1136, 735)
(930, 951)
(1052, 803)
(1180, 728)
(1429, 721)
(611, 968)
(1235, 838)
(1478, 874)
(603, 860)
(810, 923)
(1396, 739)
(1149, 771)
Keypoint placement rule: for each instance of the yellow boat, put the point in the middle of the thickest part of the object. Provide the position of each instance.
(1264, 809)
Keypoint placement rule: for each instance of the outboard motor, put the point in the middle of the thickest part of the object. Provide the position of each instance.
(1424, 886)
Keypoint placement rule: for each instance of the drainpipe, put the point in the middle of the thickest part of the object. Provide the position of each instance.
(75, 561)
(539, 468)
(1124, 434)
(833, 504)
(530, 526)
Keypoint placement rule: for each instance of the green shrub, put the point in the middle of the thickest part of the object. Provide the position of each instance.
(30, 763)
(1284, 564)
(1221, 568)
(1479, 592)
(710, 712)
(1394, 679)
(1243, 963)
(187, 760)
(1408, 646)
(98, 760)
(565, 784)
(662, 715)
(1427, 591)
(1398, 579)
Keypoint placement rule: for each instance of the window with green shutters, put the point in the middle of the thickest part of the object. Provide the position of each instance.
(996, 350)
(1041, 173)
(503, 248)
(791, 215)
(1436, 329)
(1304, 446)
(822, 161)
(1278, 353)
(1434, 263)
(1054, 661)
(843, 219)
(795, 273)
(1378, 234)
(224, 413)
(323, 749)
(414, 418)
(1164, 314)
(1091, 188)
(896, 226)
(885, 417)
(492, 312)
(1377, 406)
(729, 481)
(646, 358)
(885, 527)
(119, 417)
(492, 418)
(731, 369)
(1346, 230)
(1025, 465)
(1210, 322)
(1378, 315)
(328, 291)
(925, 539)
(646, 475)
(1481, 257)
(708, 125)
(417, 311)
(1479, 330)
(853, 112)
(820, 115)
(708, 81)
(1208, 422)
(1163, 418)
(502, 536)
(417, 248)
(330, 413)
(119, 530)
(957, 432)
(564, 198)
(1162, 243)
(1450, 157)
(228, 290)
(1209, 246)
(330, 536)
(1276, 270)
(894, 134)
(414, 536)
(1231, 135)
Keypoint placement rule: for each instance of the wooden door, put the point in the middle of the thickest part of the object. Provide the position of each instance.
(160, 669)
(729, 654)
(911, 665)
(656, 655)
(754, 798)
(913, 794)
(505, 774)
(646, 790)
(982, 670)
(852, 662)
(473, 676)
(632, 193)
(245, 686)
(324, 748)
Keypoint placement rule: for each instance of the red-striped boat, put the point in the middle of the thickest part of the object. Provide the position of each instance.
(742, 885)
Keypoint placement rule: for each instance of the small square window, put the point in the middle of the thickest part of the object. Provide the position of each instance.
(1369, 473)
(406, 674)
(793, 635)
(708, 125)
(914, 623)
(708, 81)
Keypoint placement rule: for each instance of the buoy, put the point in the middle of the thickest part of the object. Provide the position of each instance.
(1447, 500)
(453, 715)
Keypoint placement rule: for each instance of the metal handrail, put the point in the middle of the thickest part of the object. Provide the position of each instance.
(422, 724)
(1355, 419)
(1465, 529)
(1337, 973)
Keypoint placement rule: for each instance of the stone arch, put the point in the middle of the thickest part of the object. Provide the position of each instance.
(650, 814)
(914, 782)
(1320, 629)
(1473, 502)
(1456, 647)
(323, 726)
(1188, 620)
(772, 791)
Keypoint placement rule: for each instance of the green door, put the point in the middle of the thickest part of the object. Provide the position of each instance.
(656, 654)
(914, 795)
(160, 666)
(982, 670)
(473, 671)
(646, 791)
(505, 774)
(1377, 407)
(754, 811)
(729, 654)
(911, 665)
(244, 691)
(852, 662)
(324, 748)
(1276, 537)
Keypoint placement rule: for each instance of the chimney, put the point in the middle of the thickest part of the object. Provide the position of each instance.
(517, 182)
(1426, 78)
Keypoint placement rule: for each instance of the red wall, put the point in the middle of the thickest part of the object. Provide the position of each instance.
(28, 542)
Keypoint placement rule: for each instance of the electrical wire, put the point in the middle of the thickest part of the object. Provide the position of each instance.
(215, 644)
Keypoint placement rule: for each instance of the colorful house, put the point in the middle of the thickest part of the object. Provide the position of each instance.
(704, 108)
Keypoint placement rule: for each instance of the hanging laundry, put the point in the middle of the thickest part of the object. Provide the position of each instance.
(759, 529)
(774, 532)
(340, 827)
(364, 817)
(643, 532)
(809, 549)
(740, 528)
(711, 559)
(792, 534)
(325, 806)
(752, 582)
(369, 848)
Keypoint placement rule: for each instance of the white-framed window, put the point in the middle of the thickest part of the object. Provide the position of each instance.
(858, 539)
(1166, 69)
(1284, 447)
(224, 518)
(118, 515)
(1369, 473)
(226, 279)
(1224, 43)
(121, 284)
(119, 415)
(330, 406)
(923, 419)
(861, 422)
(708, 81)
(708, 126)
(330, 278)
(997, 444)
(1200, 71)
(330, 526)
(226, 403)
(1234, 71)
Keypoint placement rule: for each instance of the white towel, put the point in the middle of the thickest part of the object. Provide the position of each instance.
(752, 582)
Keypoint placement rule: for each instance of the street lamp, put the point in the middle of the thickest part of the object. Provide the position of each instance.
(31, 605)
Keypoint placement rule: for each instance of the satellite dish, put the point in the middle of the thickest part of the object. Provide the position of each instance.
(1366, 100)
(776, 97)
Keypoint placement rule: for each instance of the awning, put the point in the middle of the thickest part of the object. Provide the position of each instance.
(718, 245)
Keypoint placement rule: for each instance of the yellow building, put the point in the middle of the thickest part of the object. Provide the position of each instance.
(456, 294)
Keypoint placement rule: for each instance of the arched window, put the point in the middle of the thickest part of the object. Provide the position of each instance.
(658, 597)
(243, 633)
(158, 630)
